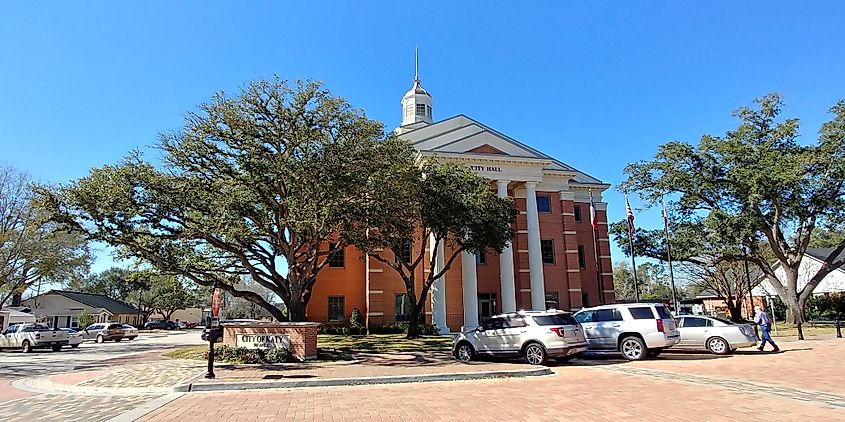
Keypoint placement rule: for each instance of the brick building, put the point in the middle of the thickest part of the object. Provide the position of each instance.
(550, 264)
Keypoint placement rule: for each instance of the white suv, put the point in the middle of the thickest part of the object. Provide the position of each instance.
(535, 335)
(636, 330)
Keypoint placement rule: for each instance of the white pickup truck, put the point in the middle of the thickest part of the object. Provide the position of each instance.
(33, 336)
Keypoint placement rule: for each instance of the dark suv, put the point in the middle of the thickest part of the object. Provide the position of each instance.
(161, 325)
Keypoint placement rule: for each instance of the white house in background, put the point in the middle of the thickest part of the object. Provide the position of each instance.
(812, 262)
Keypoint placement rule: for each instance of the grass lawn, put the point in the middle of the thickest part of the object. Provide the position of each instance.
(790, 330)
(340, 347)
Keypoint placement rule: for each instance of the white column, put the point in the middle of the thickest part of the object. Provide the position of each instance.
(438, 288)
(470, 284)
(506, 265)
(535, 258)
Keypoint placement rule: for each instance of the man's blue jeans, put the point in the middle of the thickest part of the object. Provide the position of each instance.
(766, 337)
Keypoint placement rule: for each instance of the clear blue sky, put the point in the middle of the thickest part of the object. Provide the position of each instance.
(83, 83)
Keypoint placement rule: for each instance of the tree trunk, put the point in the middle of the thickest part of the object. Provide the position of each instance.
(735, 309)
(296, 311)
(415, 319)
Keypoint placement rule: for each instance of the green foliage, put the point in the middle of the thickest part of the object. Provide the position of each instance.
(241, 355)
(827, 306)
(85, 319)
(272, 174)
(756, 185)
(651, 278)
(355, 319)
(823, 238)
(33, 249)
(114, 282)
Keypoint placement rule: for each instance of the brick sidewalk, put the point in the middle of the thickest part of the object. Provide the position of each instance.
(576, 393)
(365, 365)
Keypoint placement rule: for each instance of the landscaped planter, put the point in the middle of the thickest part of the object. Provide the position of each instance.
(299, 337)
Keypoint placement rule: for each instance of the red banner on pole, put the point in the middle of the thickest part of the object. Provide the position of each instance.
(215, 303)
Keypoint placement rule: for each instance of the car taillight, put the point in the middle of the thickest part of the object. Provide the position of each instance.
(660, 325)
(558, 330)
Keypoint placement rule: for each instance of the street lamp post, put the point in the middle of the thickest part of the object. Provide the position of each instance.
(748, 278)
(212, 338)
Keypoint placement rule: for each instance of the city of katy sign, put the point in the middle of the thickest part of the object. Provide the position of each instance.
(262, 341)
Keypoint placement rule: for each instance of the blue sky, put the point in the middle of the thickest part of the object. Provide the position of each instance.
(83, 83)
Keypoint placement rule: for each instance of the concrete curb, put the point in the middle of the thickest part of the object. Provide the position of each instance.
(336, 382)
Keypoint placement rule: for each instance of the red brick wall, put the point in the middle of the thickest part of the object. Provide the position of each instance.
(303, 336)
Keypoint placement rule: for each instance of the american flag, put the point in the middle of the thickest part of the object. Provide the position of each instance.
(593, 220)
(630, 215)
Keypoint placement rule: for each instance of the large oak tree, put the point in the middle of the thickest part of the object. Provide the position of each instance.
(265, 184)
(759, 184)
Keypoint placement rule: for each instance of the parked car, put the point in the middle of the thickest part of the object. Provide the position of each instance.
(718, 335)
(161, 325)
(103, 331)
(129, 332)
(190, 324)
(29, 337)
(534, 335)
(637, 330)
(75, 338)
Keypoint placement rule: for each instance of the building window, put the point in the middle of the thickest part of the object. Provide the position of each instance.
(551, 300)
(336, 258)
(405, 251)
(409, 110)
(402, 307)
(481, 258)
(420, 109)
(582, 260)
(544, 203)
(486, 306)
(578, 213)
(336, 309)
(547, 250)
(428, 110)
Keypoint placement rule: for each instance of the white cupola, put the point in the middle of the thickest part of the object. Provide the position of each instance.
(416, 104)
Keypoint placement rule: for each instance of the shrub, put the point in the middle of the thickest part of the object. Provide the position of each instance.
(231, 354)
(355, 319)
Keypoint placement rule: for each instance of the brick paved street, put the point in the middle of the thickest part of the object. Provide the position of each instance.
(64, 407)
(674, 387)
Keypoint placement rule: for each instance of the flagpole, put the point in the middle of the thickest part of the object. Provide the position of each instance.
(631, 246)
(669, 257)
(599, 279)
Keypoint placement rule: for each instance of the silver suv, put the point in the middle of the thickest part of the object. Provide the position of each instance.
(636, 330)
(534, 335)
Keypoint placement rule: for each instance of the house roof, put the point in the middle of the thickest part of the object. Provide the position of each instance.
(822, 253)
(98, 301)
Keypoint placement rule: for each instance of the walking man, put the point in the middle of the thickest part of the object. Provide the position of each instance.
(762, 319)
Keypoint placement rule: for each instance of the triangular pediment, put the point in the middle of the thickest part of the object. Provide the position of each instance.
(486, 149)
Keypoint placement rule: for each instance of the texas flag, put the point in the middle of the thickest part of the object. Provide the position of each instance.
(593, 220)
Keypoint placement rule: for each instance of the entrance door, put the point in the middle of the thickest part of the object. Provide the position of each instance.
(486, 306)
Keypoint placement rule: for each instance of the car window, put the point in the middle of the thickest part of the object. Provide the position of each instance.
(725, 321)
(585, 316)
(92, 327)
(515, 321)
(663, 312)
(559, 319)
(605, 315)
(641, 313)
(115, 326)
(696, 322)
(494, 324)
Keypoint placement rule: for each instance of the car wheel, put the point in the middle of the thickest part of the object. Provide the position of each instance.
(131, 338)
(535, 354)
(633, 348)
(100, 338)
(718, 346)
(117, 340)
(26, 347)
(464, 352)
(74, 346)
(57, 348)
